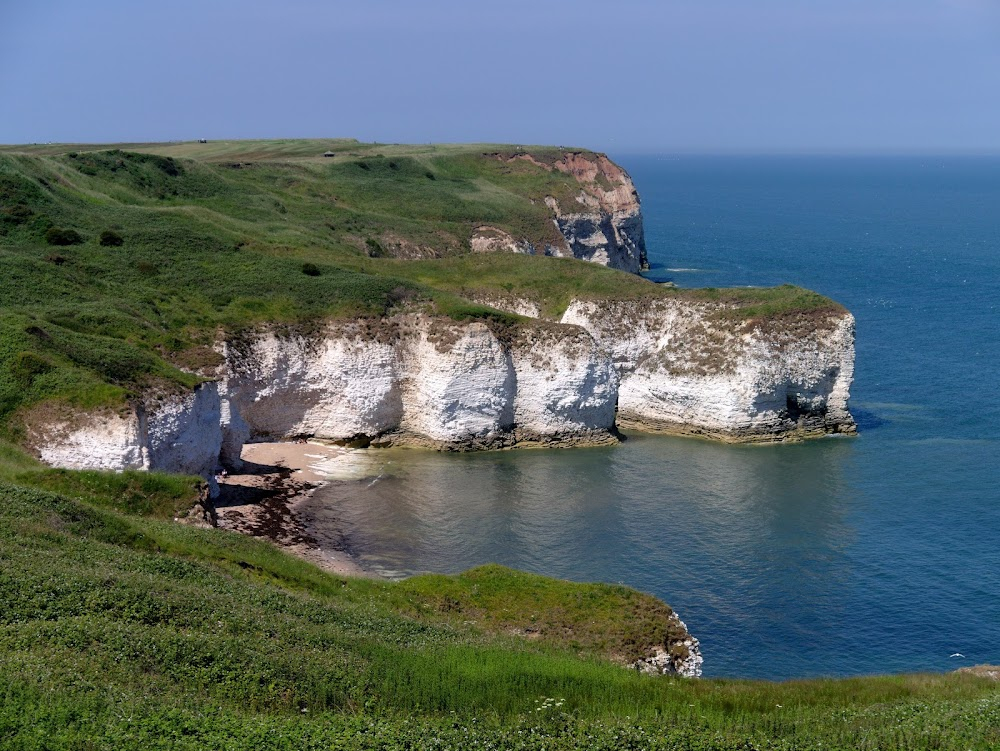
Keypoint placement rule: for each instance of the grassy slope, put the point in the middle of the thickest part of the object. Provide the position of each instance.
(216, 235)
(124, 631)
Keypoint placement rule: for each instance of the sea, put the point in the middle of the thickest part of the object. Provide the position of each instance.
(833, 557)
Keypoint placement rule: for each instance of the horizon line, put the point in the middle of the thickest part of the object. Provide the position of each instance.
(664, 151)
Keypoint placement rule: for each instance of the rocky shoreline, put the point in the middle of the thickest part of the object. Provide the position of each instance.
(267, 499)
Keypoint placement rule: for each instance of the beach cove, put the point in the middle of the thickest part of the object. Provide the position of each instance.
(839, 557)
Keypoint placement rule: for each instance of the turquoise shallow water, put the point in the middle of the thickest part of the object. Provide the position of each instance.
(833, 557)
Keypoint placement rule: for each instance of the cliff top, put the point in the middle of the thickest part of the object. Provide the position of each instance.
(292, 149)
(122, 262)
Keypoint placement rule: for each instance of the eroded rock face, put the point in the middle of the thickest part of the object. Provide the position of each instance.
(487, 239)
(459, 385)
(342, 382)
(566, 388)
(420, 380)
(413, 380)
(178, 432)
(605, 225)
(183, 432)
(602, 224)
(687, 368)
(666, 365)
(682, 657)
(103, 439)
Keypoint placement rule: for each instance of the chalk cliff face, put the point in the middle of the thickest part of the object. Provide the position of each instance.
(688, 368)
(602, 223)
(341, 382)
(174, 433)
(420, 380)
(606, 224)
(666, 365)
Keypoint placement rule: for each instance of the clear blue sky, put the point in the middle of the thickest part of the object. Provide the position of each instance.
(617, 75)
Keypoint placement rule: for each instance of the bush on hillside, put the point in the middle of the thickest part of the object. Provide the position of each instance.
(16, 214)
(27, 366)
(60, 236)
(399, 296)
(111, 239)
(310, 269)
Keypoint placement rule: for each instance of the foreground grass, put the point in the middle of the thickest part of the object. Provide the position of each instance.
(122, 630)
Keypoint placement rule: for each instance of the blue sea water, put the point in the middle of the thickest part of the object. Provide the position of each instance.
(841, 556)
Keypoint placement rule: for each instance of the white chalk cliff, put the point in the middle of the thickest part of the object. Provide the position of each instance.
(687, 367)
(662, 364)
(419, 380)
(176, 432)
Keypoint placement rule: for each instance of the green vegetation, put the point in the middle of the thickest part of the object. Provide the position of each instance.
(120, 630)
(111, 239)
(595, 619)
(58, 236)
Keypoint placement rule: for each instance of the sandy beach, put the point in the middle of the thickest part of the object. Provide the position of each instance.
(267, 497)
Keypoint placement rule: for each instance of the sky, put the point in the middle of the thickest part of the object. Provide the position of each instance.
(698, 76)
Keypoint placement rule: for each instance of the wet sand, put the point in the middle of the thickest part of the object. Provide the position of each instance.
(267, 499)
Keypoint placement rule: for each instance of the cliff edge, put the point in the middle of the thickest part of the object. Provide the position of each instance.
(601, 221)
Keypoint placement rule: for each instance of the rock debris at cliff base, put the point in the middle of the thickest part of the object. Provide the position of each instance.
(268, 499)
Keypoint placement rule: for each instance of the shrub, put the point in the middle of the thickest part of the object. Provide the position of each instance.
(27, 366)
(430, 175)
(57, 258)
(60, 236)
(111, 239)
(16, 214)
(310, 269)
(375, 250)
(398, 296)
